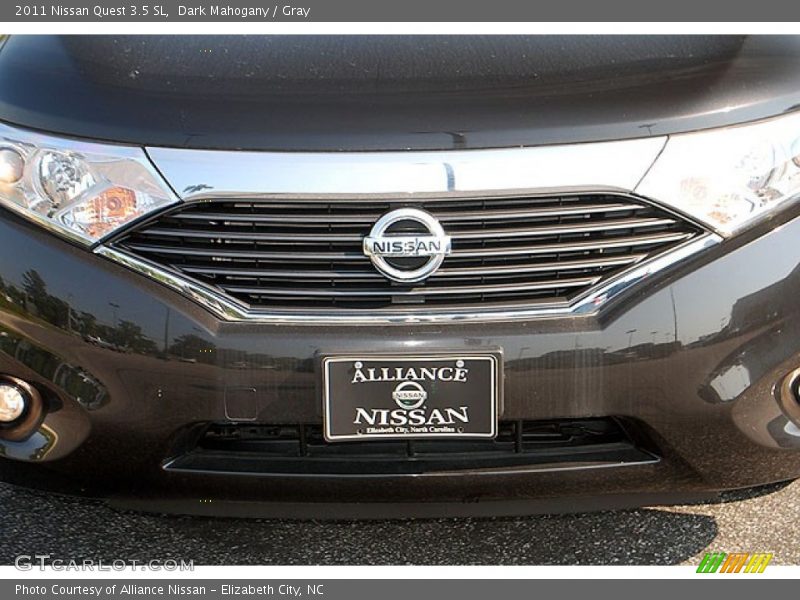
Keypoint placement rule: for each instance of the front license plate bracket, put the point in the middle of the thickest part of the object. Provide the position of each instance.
(411, 396)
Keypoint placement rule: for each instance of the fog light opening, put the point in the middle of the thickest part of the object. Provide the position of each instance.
(794, 391)
(14, 402)
(788, 394)
(22, 408)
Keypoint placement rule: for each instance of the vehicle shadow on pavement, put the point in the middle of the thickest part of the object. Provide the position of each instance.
(71, 528)
(753, 492)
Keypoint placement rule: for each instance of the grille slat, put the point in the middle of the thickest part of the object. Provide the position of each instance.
(452, 272)
(600, 246)
(222, 253)
(471, 234)
(307, 254)
(254, 254)
(569, 228)
(422, 291)
(443, 216)
(251, 236)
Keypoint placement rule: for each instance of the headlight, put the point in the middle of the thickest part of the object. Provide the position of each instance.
(726, 178)
(83, 190)
(729, 178)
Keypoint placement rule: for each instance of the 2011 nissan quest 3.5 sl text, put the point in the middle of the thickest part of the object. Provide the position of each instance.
(370, 276)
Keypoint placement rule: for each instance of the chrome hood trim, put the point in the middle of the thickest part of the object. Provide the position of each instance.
(198, 174)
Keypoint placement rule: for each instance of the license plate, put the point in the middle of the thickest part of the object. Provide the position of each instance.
(389, 397)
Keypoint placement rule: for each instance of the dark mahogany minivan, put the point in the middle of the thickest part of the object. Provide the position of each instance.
(386, 276)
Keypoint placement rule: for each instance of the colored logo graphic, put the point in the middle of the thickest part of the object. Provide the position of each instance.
(741, 562)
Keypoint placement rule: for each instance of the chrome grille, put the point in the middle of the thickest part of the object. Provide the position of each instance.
(307, 254)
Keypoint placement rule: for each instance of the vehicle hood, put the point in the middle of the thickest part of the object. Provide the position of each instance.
(351, 93)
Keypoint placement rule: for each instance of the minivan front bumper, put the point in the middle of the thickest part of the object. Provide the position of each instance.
(688, 361)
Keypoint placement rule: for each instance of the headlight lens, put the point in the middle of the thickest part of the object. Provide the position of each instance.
(729, 178)
(85, 191)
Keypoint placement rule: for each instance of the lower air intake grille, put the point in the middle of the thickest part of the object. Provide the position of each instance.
(302, 449)
(506, 252)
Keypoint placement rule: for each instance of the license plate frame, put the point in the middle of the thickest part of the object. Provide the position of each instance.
(384, 401)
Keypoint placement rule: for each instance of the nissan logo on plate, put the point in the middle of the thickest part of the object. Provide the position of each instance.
(409, 395)
(407, 245)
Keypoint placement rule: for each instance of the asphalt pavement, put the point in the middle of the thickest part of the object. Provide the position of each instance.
(68, 528)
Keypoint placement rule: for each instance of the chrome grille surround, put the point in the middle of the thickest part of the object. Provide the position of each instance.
(587, 219)
(509, 253)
